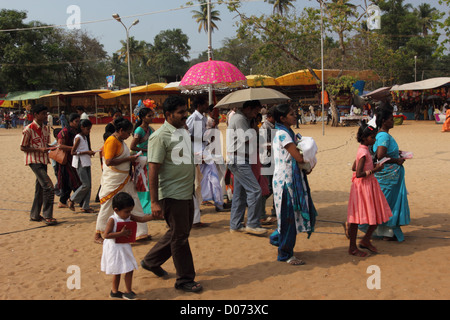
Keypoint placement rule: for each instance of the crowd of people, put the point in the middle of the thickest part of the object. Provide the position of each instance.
(166, 173)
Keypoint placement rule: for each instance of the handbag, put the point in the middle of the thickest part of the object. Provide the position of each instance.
(58, 155)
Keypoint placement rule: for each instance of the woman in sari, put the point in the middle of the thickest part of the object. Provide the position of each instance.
(391, 178)
(116, 177)
(142, 132)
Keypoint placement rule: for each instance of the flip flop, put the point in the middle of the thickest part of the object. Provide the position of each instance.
(71, 204)
(358, 253)
(189, 286)
(50, 221)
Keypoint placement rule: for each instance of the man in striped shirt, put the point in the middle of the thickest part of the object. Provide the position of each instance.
(35, 145)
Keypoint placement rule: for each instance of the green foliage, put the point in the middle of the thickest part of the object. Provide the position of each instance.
(47, 58)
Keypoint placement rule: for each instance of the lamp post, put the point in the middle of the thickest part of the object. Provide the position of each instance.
(117, 17)
(415, 68)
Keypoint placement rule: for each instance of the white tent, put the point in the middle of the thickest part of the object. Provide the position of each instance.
(422, 85)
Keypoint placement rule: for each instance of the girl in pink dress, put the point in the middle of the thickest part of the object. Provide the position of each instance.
(367, 203)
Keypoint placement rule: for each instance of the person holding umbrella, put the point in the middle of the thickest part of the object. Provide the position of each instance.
(247, 191)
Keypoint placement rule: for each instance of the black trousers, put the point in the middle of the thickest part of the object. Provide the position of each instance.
(179, 215)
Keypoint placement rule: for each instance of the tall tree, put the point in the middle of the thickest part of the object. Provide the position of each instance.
(398, 22)
(339, 13)
(428, 17)
(46, 58)
(280, 6)
(169, 54)
(201, 17)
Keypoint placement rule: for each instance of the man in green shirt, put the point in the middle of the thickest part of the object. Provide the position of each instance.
(171, 182)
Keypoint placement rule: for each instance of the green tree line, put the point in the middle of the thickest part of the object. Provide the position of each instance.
(413, 42)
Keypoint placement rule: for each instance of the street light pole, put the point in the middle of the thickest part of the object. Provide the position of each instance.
(415, 68)
(117, 17)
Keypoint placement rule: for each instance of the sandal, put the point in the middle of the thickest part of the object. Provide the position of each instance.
(357, 253)
(189, 286)
(89, 210)
(71, 204)
(50, 221)
(38, 219)
(294, 261)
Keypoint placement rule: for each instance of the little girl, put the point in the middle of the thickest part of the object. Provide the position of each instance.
(292, 196)
(367, 203)
(81, 161)
(118, 258)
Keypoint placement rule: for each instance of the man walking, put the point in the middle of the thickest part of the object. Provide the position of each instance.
(247, 191)
(35, 141)
(171, 181)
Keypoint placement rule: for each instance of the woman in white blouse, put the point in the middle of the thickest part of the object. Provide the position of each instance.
(81, 161)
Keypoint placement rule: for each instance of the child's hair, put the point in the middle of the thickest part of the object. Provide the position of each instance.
(85, 123)
(281, 110)
(364, 131)
(122, 200)
(55, 132)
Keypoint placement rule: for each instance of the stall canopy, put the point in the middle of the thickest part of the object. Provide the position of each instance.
(86, 93)
(305, 77)
(25, 95)
(259, 80)
(153, 87)
(423, 85)
(379, 94)
(76, 93)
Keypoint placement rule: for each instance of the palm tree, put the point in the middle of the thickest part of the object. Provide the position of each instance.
(280, 6)
(428, 17)
(201, 17)
(138, 50)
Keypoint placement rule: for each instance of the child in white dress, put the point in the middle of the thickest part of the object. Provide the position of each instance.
(118, 258)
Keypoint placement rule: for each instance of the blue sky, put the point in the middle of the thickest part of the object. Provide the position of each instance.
(161, 17)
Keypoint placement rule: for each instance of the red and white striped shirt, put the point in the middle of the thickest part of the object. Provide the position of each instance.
(35, 136)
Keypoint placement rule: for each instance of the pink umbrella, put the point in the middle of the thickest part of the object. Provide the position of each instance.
(214, 74)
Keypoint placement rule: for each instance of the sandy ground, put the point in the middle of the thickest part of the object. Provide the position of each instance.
(36, 260)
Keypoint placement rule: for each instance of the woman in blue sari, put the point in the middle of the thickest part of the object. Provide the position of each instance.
(391, 178)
